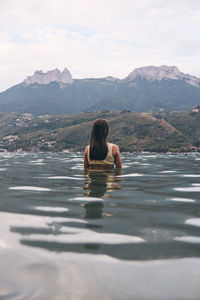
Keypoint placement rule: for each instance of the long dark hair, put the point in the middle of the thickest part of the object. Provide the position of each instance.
(98, 144)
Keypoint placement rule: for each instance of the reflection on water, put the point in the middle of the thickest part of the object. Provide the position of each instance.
(72, 234)
(98, 184)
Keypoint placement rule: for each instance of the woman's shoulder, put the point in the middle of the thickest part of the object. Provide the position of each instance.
(114, 147)
(86, 148)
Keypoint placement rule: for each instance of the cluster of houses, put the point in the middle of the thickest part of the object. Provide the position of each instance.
(196, 109)
(10, 140)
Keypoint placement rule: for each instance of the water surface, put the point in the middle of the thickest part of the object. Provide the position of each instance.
(70, 234)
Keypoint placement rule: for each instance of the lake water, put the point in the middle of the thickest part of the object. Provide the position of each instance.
(99, 235)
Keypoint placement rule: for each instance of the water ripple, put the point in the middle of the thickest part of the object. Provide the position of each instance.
(64, 177)
(181, 199)
(87, 199)
(193, 221)
(188, 239)
(188, 189)
(50, 208)
(29, 188)
(87, 236)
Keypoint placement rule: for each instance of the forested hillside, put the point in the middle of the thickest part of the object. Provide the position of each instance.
(130, 130)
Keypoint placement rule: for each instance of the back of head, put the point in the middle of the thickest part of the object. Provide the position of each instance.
(98, 143)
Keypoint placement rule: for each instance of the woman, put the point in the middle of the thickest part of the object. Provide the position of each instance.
(100, 154)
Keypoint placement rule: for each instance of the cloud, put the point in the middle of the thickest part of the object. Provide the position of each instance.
(97, 38)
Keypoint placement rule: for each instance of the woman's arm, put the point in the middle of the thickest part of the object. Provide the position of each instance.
(117, 157)
(86, 163)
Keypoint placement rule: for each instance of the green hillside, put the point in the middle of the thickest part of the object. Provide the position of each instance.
(187, 123)
(130, 130)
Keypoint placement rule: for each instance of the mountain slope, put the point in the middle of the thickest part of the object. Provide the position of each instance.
(168, 94)
(143, 90)
(187, 123)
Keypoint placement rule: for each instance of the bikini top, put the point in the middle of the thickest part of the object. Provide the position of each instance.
(108, 160)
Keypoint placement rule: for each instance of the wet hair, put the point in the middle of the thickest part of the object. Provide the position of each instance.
(98, 144)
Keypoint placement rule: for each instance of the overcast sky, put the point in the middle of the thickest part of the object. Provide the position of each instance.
(97, 38)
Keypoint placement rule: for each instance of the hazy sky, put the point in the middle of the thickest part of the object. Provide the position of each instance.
(97, 38)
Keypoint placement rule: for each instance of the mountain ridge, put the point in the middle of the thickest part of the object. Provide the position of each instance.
(143, 90)
(50, 76)
(154, 73)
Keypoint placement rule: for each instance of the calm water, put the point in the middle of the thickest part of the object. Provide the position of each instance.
(99, 235)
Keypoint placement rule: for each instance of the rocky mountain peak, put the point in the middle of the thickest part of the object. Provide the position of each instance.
(53, 75)
(154, 73)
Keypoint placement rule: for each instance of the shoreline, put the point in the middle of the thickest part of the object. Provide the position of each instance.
(124, 152)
